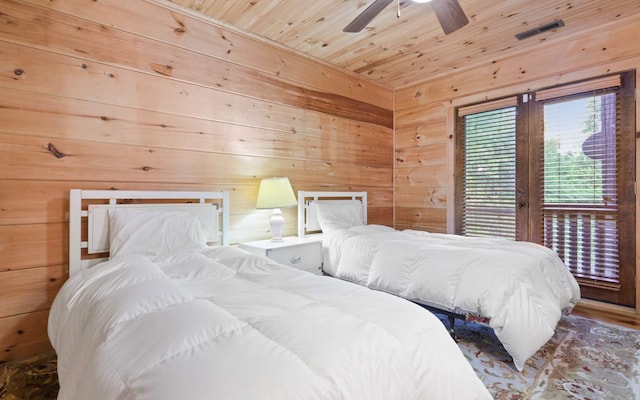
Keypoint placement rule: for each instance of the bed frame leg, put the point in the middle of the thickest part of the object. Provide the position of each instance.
(452, 327)
(451, 316)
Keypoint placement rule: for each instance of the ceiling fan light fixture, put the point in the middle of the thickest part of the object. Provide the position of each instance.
(448, 12)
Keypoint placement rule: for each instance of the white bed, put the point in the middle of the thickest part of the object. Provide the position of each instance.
(168, 317)
(519, 289)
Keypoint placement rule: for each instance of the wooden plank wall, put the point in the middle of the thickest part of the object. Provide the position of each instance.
(134, 95)
(424, 113)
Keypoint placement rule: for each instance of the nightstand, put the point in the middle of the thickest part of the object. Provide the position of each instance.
(301, 253)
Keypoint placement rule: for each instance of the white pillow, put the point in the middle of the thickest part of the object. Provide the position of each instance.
(336, 216)
(153, 233)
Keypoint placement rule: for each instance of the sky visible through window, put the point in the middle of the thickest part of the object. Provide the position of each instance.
(570, 174)
(566, 120)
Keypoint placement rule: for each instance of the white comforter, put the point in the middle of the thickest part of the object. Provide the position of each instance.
(522, 287)
(223, 324)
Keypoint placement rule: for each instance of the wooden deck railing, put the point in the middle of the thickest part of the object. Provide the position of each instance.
(586, 239)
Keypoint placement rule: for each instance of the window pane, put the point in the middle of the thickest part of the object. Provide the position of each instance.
(580, 151)
(489, 173)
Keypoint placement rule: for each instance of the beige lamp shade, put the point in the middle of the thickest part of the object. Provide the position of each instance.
(276, 193)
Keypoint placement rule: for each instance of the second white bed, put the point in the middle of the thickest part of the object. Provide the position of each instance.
(520, 289)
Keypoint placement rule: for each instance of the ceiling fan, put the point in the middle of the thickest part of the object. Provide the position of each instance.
(448, 12)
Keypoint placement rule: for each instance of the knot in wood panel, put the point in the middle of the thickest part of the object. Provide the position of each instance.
(166, 70)
(181, 26)
(52, 149)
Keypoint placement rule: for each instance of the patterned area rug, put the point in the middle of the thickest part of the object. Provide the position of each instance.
(585, 360)
(35, 378)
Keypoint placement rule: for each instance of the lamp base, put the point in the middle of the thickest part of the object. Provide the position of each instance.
(277, 224)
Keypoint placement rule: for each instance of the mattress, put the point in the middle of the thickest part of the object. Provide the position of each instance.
(521, 289)
(220, 323)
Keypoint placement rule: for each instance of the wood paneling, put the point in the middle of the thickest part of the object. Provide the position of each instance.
(97, 82)
(35, 114)
(30, 290)
(137, 96)
(23, 335)
(402, 51)
(421, 219)
(149, 19)
(68, 35)
(32, 245)
(596, 47)
(34, 157)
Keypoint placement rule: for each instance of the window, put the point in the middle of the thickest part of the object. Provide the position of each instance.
(556, 167)
(488, 171)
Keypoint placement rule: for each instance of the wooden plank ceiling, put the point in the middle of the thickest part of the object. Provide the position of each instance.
(400, 52)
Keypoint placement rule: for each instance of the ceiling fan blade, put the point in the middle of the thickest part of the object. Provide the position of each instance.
(450, 15)
(366, 16)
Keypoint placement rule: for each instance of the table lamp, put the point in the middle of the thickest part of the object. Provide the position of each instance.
(276, 193)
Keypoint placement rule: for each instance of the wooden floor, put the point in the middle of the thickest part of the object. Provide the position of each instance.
(622, 316)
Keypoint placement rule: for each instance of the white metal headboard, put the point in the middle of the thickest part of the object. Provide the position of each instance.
(307, 220)
(96, 215)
